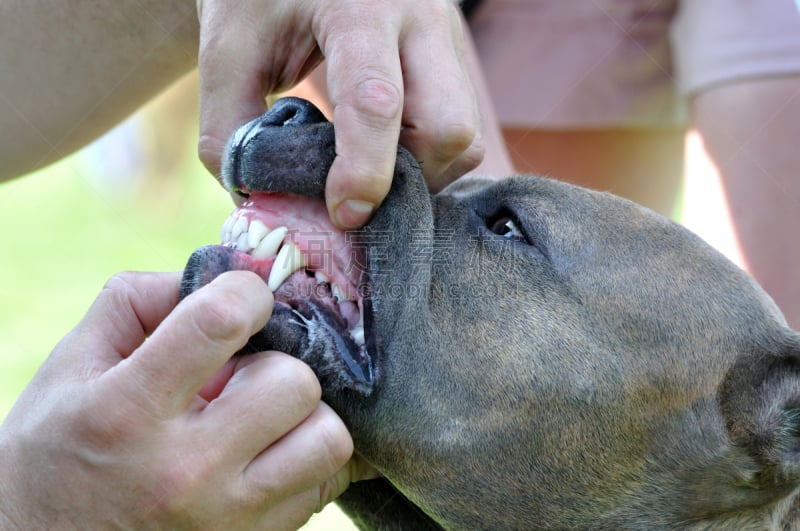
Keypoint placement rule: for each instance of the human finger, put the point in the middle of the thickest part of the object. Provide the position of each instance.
(268, 395)
(196, 339)
(306, 457)
(230, 94)
(271, 48)
(441, 119)
(294, 511)
(130, 306)
(365, 85)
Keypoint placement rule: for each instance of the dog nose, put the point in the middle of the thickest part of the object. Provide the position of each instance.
(289, 148)
(292, 111)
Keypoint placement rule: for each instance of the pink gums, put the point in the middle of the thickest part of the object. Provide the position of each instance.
(325, 247)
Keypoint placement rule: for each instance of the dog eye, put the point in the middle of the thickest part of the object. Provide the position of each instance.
(505, 227)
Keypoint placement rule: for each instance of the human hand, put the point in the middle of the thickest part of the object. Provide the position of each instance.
(391, 63)
(139, 419)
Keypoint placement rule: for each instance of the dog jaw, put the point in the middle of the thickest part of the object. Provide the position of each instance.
(570, 360)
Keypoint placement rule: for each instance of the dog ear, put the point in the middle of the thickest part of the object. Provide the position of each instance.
(760, 402)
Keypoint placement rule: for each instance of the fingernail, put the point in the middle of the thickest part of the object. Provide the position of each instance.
(353, 213)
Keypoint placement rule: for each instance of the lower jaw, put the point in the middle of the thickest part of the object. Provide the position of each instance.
(312, 330)
(315, 335)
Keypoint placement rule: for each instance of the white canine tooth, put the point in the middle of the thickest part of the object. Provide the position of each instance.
(241, 242)
(321, 278)
(288, 261)
(357, 334)
(270, 244)
(337, 292)
(256, 233)
(239, 227)
(225, 231)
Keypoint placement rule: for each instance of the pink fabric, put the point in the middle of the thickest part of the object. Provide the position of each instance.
(556, 64)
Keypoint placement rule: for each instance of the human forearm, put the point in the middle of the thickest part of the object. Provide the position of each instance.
(74, 68)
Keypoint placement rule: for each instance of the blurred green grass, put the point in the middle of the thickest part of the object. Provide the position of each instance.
(68, 228)
(65, 234)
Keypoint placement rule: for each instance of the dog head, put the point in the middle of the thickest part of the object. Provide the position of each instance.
(520, 353)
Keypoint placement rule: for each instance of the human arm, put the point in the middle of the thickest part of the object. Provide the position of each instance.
(390, 64)
(74, 68)
(757, 163)
(112, 430)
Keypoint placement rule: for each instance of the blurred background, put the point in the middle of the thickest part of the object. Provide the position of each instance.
(136, 199)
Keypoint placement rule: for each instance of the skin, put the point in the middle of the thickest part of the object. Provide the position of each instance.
(496, 161)
(129, 413)
(757, 161)
(380, 56)
(750, 149)
(55, 104)
(111, 409)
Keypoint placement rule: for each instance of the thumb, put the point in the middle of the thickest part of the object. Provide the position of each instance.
(230, 94)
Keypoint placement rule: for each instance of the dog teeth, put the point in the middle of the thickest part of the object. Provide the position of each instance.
(256, 233)
(227, 229)
(357, 334)
(270, 243)
(337, 293)
(259, 241)
(288, 261)
(241, 243)
(239, 227)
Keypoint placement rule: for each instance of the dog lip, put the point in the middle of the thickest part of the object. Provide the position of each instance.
(316, 327)
(311, 329)
(232, 165)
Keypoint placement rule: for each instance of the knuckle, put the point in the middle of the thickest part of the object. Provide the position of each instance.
(101, 431)
(118, 292)
(289, 379)
(473, 154)
(221, 316)
(176, 481)
(336, 440)
(303, 383)
(454, 138)
(378, 99)
(121, 283)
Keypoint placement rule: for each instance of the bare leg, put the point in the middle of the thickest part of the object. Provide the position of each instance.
(497, 161)
(644, 165)
(751, 130)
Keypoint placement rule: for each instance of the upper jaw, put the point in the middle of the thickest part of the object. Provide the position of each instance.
(286, 163)
(269, 153)
(295, 233)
